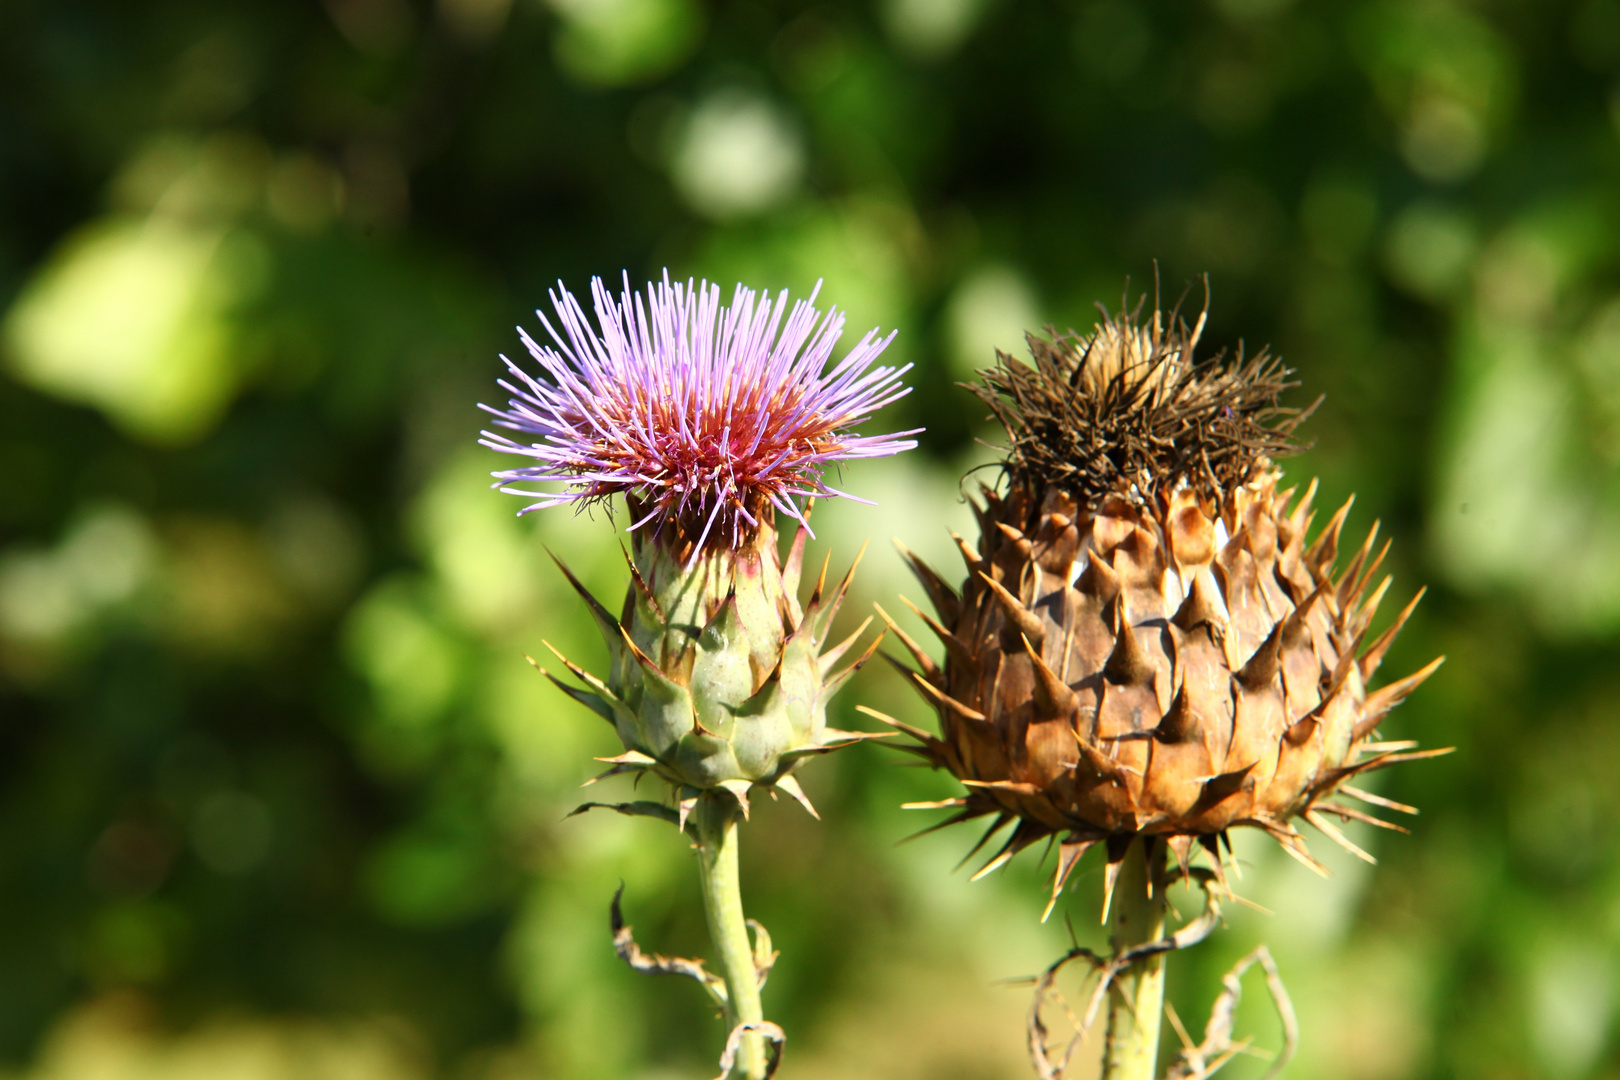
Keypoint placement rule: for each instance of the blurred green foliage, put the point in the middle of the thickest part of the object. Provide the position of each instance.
(279, 796)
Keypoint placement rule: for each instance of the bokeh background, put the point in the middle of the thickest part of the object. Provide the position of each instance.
(279, 795)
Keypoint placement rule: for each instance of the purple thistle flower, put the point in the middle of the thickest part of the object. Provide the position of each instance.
(702, 415)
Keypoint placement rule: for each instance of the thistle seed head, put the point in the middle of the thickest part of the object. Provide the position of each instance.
(1127, 410)
(1148, 644)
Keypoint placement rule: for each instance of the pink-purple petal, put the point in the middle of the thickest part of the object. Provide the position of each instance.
(701, 410)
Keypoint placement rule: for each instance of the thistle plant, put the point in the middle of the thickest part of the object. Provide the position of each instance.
(709, 421)
(1149, 649)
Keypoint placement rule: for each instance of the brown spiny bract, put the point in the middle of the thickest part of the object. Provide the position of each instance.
(1148, 641)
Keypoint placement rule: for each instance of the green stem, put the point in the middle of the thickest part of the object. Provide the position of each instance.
(715, 822)
(1137, 1003)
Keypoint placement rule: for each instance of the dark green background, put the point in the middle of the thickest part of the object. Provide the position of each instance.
(279, 796)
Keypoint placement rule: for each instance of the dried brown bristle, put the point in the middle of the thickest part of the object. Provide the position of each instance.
(1127, 410)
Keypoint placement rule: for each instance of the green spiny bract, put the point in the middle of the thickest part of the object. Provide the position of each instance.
(718, 676)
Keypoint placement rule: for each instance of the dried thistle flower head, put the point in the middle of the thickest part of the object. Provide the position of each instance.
(1147, 645)
(709, 420)
(1124, 410)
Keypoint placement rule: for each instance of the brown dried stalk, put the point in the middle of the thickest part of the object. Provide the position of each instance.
(1202, 1061)
(624, 943)
(1194, 1062)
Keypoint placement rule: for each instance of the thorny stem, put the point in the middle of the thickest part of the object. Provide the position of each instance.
(714, 821)
(1137, 1002)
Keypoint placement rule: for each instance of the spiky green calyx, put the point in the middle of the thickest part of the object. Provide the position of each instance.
(719, 677)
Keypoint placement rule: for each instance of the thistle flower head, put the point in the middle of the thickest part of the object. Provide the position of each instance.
(702, 415)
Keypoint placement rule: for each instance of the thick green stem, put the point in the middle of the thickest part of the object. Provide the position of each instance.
(1137, 1003)
(715, 821)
